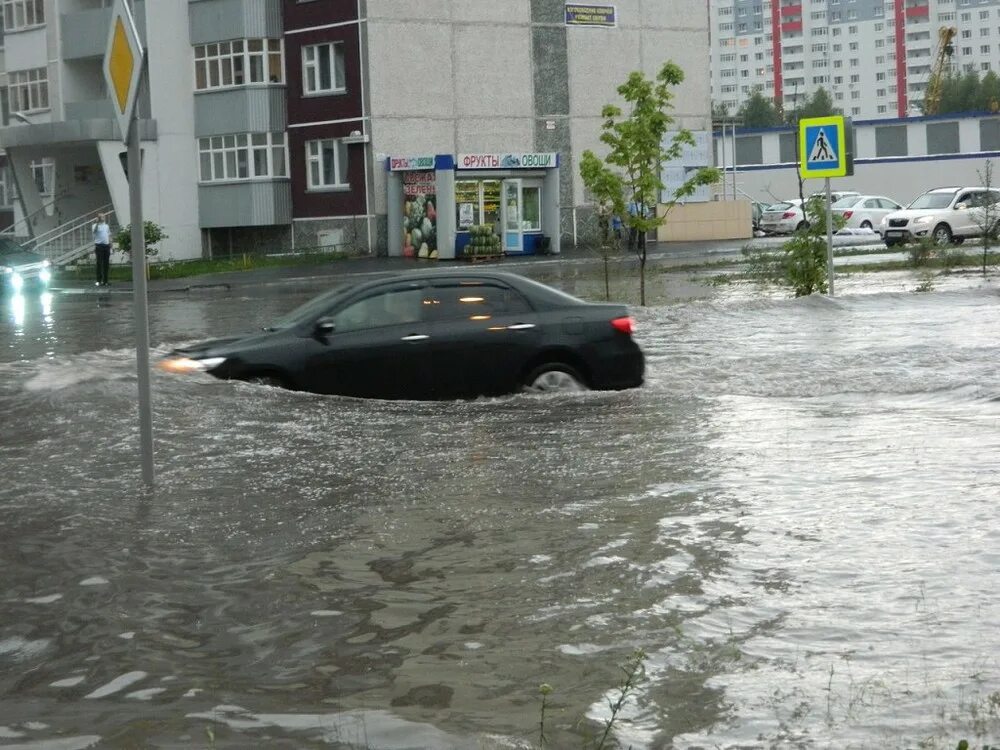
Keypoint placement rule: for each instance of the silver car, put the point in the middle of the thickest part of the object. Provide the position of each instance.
(949, 214)
(864, 211)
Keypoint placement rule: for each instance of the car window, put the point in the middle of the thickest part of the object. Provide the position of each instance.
(382, 308)
(891, 205)
(474, 301)
(871, 203)
(967, 198)
(779, 206)
(847, 202)
(933, 200)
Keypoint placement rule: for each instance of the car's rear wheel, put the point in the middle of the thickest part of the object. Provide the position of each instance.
(942, 234)
(554, 377)
(802, 226)
(866, 224)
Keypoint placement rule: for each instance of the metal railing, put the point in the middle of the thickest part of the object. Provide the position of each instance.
(72, 239)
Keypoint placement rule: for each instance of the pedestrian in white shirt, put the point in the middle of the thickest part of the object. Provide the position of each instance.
(102, 249)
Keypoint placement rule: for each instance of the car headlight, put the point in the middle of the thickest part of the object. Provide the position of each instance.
(45, 276)
(923, 220)
(186, 364)
(45, 264)
(6, 270)
(16, 281)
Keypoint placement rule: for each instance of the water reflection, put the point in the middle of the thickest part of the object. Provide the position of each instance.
(17, 308)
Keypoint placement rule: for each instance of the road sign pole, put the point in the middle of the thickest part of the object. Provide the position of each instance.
(829, 237)
(139, 295)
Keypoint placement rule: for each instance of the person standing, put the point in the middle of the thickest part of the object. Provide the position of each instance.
(102, 249)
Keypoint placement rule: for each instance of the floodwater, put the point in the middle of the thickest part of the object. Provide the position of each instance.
(795, 519)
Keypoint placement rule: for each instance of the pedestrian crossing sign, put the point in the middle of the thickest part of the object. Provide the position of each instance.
(823, 147)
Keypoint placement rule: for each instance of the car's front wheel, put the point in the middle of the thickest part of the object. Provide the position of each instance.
(554, 377)
(942, 234)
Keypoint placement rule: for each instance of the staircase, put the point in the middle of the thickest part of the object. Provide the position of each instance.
(70, 240)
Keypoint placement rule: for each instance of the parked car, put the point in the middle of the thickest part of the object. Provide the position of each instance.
(784, 217)
(947, 214)
(20, 266)
(835, 195)
(432, 335)
(864, 211)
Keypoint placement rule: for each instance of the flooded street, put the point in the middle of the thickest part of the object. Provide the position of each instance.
(795, 518)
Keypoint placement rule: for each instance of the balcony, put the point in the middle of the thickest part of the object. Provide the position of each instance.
(791, 10)
(85, 33)
(246, 109)
(918, 11)
(791, 27)
(245, 204)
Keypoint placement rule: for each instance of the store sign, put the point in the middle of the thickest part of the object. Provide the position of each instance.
(507, 161)
(591, 15)
(407, 163)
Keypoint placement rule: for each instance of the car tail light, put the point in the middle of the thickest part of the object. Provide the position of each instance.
(625, 325)
(788, 215)
(848, 214)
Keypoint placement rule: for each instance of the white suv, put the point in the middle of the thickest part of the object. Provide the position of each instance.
(944, 214)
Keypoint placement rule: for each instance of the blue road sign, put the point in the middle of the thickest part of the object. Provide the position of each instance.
(823, 147)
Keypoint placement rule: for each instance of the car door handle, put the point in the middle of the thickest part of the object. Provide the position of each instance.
(415, 337)
(520, 326)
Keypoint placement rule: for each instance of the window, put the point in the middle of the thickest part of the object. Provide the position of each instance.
(531, 200)
(243, 156)
(43, 172)
(326, 164)
(323, 69)
(7, 192)
(23, 14)
(237, 63)
(475, 302)
(28, 90)
(385, 308)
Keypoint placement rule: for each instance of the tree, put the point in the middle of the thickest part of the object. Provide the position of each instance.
(720, 111)
(818, 105)
(630, 173)
(802, 262)
(759, 112)
(987, 218)
(606, 190)
(989, 93)
(153, 234)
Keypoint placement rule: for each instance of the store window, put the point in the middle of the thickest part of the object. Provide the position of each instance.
(326, 164)
(242, 156)
(323, 69)
(237, 62)
(477, 202)
(531, 218)
(23, 14)
(28, 90)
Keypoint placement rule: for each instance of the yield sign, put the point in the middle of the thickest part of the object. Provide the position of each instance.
(123, 61)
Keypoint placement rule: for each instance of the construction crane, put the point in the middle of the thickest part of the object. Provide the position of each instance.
(940, 68)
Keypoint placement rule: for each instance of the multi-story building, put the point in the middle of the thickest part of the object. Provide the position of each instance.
(874, 57)
(268, 123)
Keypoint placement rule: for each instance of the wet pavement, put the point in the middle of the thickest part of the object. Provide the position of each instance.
(795, 518)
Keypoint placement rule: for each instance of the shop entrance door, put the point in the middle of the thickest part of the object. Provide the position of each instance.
(510, 210)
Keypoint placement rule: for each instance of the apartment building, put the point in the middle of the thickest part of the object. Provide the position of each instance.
(269, 123)
(874, 57)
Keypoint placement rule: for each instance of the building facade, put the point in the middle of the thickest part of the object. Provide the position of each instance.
(874, 57)
(267, 124)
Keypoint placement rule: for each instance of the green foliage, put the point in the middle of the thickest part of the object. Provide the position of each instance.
(970, 93)
(922, 251)
(759, 112)
(630, 173)
(802, 262)
(153, 234)
(818, 105)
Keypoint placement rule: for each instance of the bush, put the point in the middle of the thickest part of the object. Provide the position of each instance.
(153, 233)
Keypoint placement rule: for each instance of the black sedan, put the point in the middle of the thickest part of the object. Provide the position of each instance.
(19, 266)
(433, 335)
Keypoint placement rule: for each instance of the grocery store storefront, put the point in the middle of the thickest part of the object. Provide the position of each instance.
(440, 206)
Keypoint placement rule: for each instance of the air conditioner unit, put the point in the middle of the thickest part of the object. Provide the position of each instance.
(356, 136)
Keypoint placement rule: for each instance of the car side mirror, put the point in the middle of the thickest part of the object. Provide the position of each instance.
(324, 327)
(961, 206)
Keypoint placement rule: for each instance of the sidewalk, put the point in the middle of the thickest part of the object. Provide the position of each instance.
(657, 252)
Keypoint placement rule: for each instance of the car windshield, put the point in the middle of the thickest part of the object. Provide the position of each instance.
(779, 206)
(933, 200)
(847, 202)
(310, 309)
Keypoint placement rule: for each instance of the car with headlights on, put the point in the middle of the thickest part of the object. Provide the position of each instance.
(945, 215)
(432, 335)
(864, 211)
(20, 267)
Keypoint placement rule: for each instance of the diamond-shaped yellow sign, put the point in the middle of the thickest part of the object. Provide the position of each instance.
(123, 64)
